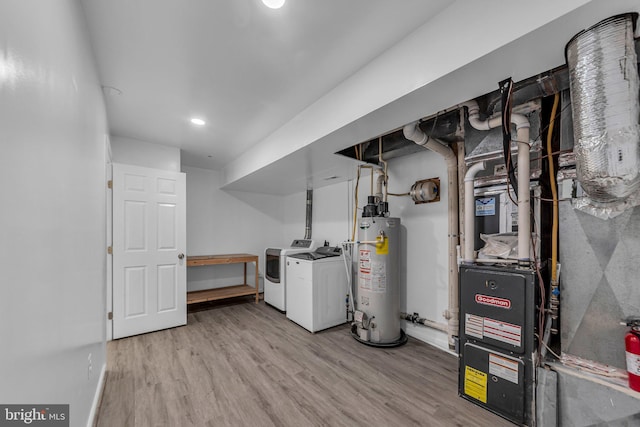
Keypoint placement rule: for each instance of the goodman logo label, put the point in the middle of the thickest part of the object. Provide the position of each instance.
(493, 301)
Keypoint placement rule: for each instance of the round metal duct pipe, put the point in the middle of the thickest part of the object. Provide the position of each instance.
(603, 77)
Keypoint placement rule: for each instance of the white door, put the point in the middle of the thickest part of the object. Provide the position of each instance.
(149, 242)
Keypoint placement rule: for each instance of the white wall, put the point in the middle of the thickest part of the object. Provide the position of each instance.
(220, 222)
(423, 257)
(52, 219)
(423, 262)
(140, 153)
(331, 209)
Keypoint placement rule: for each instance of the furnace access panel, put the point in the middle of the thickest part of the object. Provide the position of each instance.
(497, 314)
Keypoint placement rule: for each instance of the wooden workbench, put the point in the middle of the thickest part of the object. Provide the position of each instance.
(227, 291)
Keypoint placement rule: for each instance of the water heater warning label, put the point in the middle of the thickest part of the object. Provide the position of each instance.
(365, 261)
(364, 269)
(379, 277)
(475, 384)
(372, 276)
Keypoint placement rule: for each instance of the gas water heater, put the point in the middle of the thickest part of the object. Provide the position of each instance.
(377, 315)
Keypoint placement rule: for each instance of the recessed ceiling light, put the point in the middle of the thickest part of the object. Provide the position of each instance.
(198, 122)
(273, 4)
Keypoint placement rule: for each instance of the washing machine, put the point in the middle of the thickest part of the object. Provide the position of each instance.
(317, 289)
(275, 287)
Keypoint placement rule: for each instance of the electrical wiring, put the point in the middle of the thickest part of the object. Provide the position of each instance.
(554, 242)
(554, 192)
(555, 116)
(555, 153)
(547, 347)
(506, 88)
(543, 303)
(550, 200)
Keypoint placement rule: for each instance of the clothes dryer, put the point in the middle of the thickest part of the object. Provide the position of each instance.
(275, 272)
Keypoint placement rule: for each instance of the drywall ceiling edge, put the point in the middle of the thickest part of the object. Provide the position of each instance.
(413, 63)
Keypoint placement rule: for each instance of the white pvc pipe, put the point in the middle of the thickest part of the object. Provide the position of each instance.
(524, 202)
(348, 265)
(426, 322)
(462, 169)
(469, 211)
(413, 133)
(524, 195)
(379, 183)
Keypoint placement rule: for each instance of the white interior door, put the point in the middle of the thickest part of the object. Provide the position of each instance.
(149, 242)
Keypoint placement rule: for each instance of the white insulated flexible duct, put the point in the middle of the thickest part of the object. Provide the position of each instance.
(413, 133)
(524, 198)
(603, 77)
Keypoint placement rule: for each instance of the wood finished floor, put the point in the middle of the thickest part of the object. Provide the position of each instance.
(247, 365)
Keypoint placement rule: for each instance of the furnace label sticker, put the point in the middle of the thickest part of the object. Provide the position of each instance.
(503, 332)
(504, 368)
(474, 326)
(486, 206)
(379, 277)
(475, 384)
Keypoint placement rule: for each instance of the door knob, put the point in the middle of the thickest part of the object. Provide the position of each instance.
(180, 256)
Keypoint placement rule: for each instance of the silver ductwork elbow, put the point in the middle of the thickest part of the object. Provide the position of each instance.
(604, 83)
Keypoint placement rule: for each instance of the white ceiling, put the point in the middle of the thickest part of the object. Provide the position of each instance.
(244, 68)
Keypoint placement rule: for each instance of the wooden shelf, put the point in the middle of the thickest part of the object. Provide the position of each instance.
(200, 260)
(228, 291)
(220, 293)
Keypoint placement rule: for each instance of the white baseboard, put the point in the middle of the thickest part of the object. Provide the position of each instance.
(430, 336)
(96, 397)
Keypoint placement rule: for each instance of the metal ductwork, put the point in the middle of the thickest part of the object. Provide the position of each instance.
(309, 213)
(604, 85)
